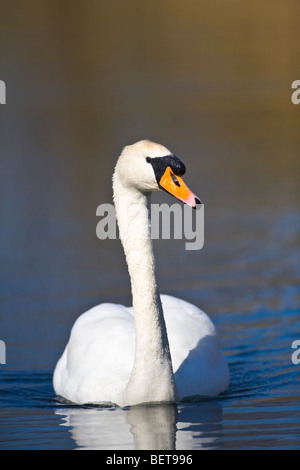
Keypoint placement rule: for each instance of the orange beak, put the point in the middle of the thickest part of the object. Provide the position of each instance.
(175, 185)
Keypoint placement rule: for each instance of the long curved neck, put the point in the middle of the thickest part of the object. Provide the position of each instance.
(152, 377)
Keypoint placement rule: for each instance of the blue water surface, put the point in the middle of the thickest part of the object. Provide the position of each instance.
(261, 408)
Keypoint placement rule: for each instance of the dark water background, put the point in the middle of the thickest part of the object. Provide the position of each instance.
(211, 81)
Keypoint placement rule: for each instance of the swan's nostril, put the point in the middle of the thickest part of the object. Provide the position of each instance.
(175, 179)
(197, 200)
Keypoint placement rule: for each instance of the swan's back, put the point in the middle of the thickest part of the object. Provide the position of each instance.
(98, 359)
(198, 363)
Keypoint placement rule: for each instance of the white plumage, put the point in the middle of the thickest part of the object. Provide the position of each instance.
(162, 349)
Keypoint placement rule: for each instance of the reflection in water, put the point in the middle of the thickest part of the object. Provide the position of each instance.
(146, 427)
(97, 428)
(153, 426)
(200, 426)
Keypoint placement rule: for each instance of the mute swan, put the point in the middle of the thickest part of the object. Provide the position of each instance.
(162, 349)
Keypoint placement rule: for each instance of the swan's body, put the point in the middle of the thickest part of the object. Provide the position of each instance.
(161, 350)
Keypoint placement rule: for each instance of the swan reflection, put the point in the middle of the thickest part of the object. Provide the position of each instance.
(145, 427)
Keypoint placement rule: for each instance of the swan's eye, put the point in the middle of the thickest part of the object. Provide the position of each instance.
(175, 179)
(160, 165)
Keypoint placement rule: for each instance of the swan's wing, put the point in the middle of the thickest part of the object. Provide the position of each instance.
(198, 363)
(98, 359)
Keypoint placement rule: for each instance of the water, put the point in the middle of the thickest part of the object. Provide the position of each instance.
(213, 84)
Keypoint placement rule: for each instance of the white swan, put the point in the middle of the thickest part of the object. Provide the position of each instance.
(162, 349)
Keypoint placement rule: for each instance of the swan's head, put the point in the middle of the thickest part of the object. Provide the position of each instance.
(148, 166)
